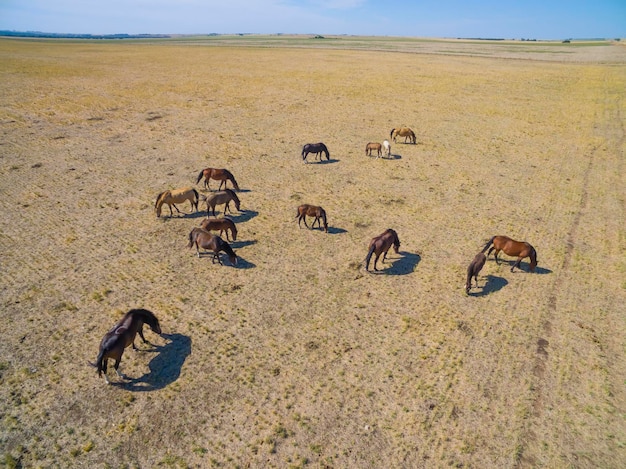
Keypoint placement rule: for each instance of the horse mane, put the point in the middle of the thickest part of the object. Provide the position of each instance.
(159, 197)
(233, 195)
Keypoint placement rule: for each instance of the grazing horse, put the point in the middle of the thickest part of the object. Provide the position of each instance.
(380, 245)
(205, 240)
(387, 147)
(312, 211)
(218, 174)
(121, 336)
(510, 247)
(373, 146)
(473, 269)
(221, 224)
(405, 132)
(221, 198)
(317, 148)
(176, 196)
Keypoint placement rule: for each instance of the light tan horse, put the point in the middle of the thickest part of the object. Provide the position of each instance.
(312, 211)
(373, 146)
(221, 225)
(221, 198)
(405, 132)
(176, 196)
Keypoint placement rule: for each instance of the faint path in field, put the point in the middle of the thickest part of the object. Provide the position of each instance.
(543, 343)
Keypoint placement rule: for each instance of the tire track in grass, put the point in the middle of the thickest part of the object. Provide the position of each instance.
(529, 437)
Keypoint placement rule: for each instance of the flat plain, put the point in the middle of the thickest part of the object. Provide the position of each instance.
(298, 357)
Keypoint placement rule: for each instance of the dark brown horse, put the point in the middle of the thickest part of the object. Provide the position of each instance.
(510, 247)
(121, 336)
(201, 238)
(405, 132)
(373, 146)
(473, 269)
(380, 245)
(221, 197)
(222, 225)
(317, 148)
(218, 174)
(319, 213)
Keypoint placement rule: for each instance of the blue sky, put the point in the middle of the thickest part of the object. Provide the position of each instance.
(536, 19)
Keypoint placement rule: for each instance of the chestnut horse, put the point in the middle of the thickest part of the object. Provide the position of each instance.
(473, 270)
(380, 245)
(510, 247)
(317, 148)
(221, 225)
(405, 132)
(176, 196)
(218, 174)
(221, 198)
(312, 211)
(201, 238)
(121, 336)
(373, 146)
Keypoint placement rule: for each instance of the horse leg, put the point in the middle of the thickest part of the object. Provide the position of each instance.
(304, 218)
(517, 264)
(222, 183)
(375, 261)
(117, 370)
(197, 250)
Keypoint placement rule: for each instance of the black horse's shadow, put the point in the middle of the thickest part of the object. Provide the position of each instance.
(524, 266)
(329, 161)
(492, 285)
(393, 156)
(165, 367)
(244, 264)
(242, 244)
(404, 265)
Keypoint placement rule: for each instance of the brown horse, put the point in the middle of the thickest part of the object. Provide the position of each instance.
(221, 225)
(312, 211)
(473, 269)
(205, 240)
(380, 245)
(405, 132)
(221, 198)
(121, 336)
(510, 247)
(218, 174)
(176, 196)
(373, 146)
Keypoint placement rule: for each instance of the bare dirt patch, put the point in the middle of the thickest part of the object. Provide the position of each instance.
(297, 356)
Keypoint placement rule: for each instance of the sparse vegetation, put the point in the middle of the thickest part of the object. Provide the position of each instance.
(298, 358)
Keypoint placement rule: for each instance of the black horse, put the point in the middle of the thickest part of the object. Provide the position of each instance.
(317, 148)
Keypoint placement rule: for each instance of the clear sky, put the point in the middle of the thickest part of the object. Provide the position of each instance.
(530, 19)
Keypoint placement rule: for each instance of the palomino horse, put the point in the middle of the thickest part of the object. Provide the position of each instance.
(121, 336)
(218, 174)
(510, 247)
(312, 211)
(221, 225)
(205, 240)
(380, 245)
(387, 147)
(176, 196)
(317, 148)
(405, 132)
(473, 269)
(373, 146)
(221, 198)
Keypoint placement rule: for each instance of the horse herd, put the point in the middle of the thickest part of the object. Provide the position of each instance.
(123, 333)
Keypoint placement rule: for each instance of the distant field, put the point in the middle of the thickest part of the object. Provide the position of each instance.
(297, 357)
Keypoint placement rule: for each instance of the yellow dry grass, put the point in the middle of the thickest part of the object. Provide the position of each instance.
(298, 357)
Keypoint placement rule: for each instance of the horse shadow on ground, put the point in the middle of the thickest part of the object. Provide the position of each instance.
(335, 230)
(525, 267)
(403, 265)
(165, 367)
(492, 285)
(330, 161)
(243, 216)
(198, 214)
(393, 156)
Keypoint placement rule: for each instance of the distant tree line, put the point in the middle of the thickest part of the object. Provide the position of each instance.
(79, 36)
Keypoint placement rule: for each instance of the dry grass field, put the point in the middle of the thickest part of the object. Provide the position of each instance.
(297, 357)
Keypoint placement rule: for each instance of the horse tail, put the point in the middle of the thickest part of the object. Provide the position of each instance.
(200, 176)
(489, 243)
(369, 256)
(197, 197)
(191, 239)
